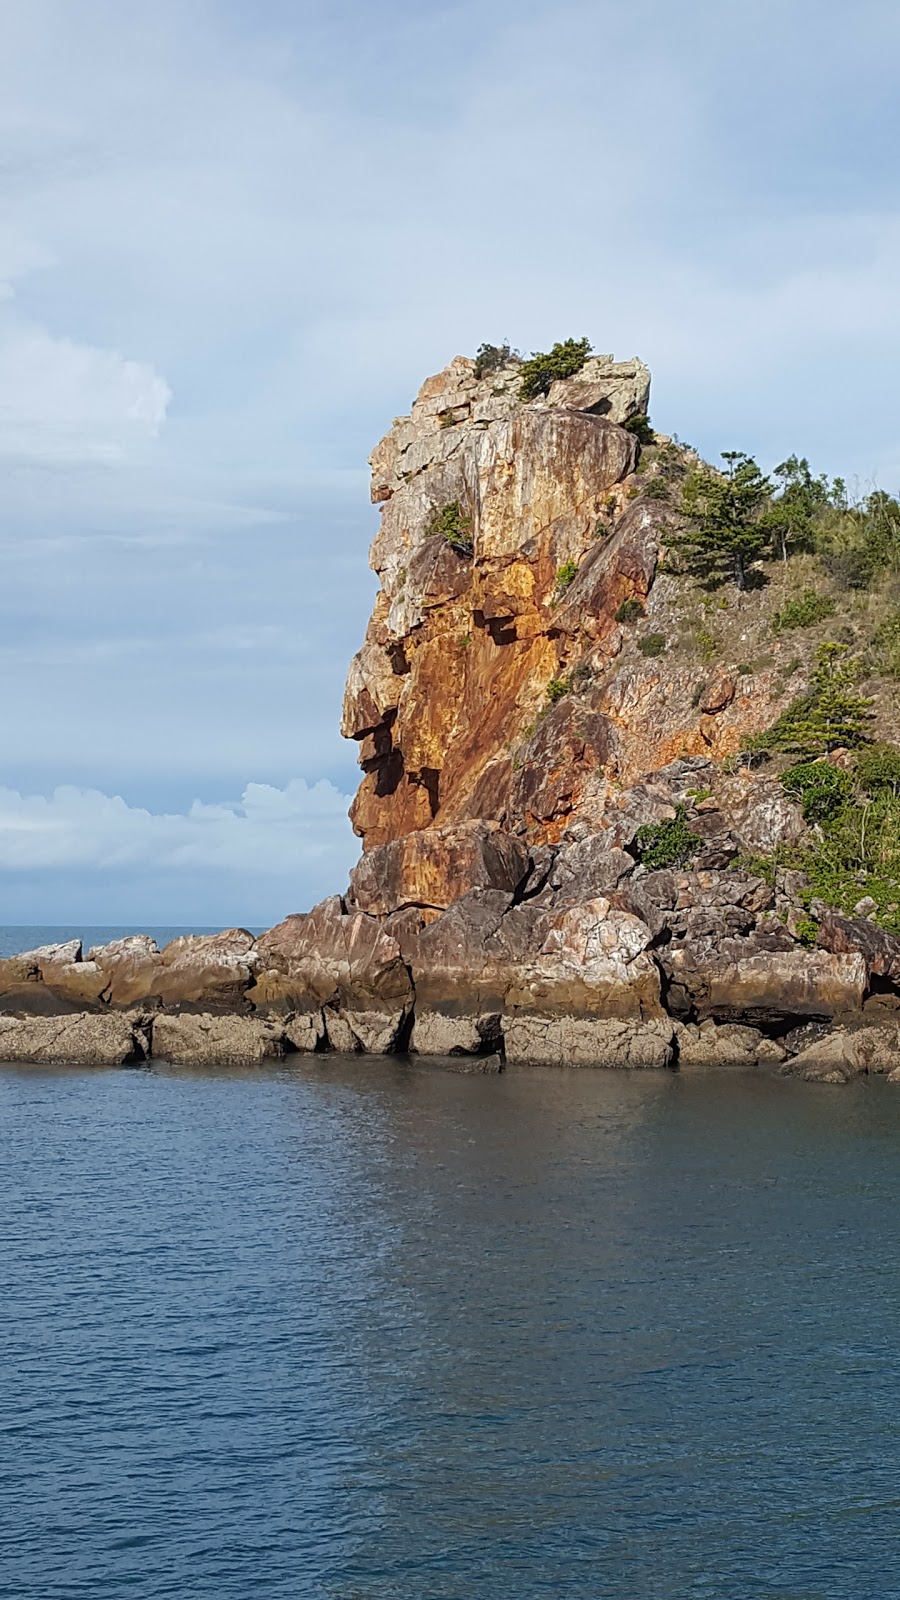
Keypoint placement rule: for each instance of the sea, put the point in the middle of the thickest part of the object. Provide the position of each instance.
(357, 1329)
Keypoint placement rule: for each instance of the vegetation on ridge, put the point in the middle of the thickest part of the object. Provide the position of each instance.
(545, 367)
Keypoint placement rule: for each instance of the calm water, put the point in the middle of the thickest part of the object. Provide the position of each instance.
(14, 939)
(377, 1330)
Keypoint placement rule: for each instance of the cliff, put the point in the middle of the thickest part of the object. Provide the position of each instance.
(540, 696)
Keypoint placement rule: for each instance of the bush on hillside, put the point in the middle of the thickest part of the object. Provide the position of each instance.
(666, 844)
(803, 611)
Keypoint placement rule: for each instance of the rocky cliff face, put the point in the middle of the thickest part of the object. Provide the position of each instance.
(448, 697)
(517, 728)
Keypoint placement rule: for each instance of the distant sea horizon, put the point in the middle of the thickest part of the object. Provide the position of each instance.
(18, 937)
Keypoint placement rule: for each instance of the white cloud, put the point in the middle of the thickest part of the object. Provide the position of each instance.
(271, 832)
(64, 402)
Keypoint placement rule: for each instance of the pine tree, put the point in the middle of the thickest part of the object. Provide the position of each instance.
(832, 716)
(725, 533)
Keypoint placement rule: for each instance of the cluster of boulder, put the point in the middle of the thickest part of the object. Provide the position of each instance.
(514, 739)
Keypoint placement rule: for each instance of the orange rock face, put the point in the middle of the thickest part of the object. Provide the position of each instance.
(495, 682)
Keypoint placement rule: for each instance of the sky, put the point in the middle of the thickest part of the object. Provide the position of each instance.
(235, 235)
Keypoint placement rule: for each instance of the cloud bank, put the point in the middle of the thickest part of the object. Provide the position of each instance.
(261, 856)
(233, 240)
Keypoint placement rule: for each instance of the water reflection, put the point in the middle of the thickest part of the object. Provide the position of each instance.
(346, 1329)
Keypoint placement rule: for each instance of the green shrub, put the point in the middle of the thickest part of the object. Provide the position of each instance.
(639, 425)
(557, 688)
(822, 788)
(631, 610)
(804, 611)
(652, 644)
(656, 489)
(565, 574)
(856, 847)
(879, 768)
(544, 367)
(805, 931)
(492, 356)
(830, 716)
(451, 522)
(666, 844)
(707, 644)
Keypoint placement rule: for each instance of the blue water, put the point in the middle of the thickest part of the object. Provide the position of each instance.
(13, 940)
(358, 1330)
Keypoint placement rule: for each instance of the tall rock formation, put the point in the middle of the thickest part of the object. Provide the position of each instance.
(496, 683)
(535, 686)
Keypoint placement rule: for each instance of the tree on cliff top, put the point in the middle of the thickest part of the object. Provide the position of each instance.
(725, 532)
(543, 369)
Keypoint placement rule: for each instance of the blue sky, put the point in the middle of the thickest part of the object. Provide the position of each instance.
(234, 238)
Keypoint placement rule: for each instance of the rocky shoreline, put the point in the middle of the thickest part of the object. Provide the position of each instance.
(522, 725)
(566, 954)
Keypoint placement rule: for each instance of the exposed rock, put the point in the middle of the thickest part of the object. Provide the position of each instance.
(846, 1053)
(614, 389)
(434, 867)
(585, 868)
(588, 1041)
(304, 1031)
(718, 692)
(848, 935)
(742, 983)
(435, 1033)
(724, 1045)
(347, 962)
(80, 1039)
(211, 1040)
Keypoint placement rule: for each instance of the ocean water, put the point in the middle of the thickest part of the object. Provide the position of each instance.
(13, 940)
(373, 1330)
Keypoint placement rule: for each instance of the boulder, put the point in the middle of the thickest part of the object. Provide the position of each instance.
(204, 1039)
(82, 1039)
(724, 1045)
(613, 389)
(587, 1041)
(437, 1033)
(845, 1053)
(856, 935)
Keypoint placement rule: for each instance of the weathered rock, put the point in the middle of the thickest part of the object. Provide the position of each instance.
(588, 1041)
(129, 967)
(435, 1033)
(81, 1039)
(849, 935)
(848, 1052)
(195, 1038)
(724, 1045)
(584, 868)
(614, 389)
(744, 984)
(304, 1031)
(593, 960)
(434, 867)
(348, 963)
